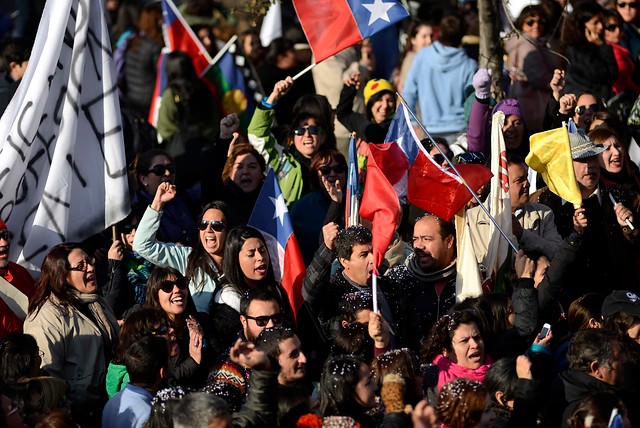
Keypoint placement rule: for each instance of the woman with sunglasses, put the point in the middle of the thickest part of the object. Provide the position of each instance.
(153, 168)
(290, 161)
(531, 65)
(324, 204)
(593, 65)
(202, 263)
(628, 10)
(613, 34)
(168, 290)
(74, 327)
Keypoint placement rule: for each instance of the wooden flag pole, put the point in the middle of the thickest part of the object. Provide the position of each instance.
(453, 167)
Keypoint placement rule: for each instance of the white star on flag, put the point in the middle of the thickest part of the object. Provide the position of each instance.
(280, 206)
(379, 10)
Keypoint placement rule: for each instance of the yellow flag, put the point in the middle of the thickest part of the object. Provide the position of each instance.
(550, 155)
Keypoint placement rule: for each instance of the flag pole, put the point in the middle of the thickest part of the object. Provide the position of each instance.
(453, 167)
(313, 64)
(374, 292)
(223, 50)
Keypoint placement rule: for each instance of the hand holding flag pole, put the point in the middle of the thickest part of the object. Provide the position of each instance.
(626, 220)
(455, 170)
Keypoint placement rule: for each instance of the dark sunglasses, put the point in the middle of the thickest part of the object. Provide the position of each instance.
(439, 158)
(313, 130)
(167, 285)
(83, 265)
(580, 110)
(216, 225)
(531, 22)
(6, 235)
(160, 170)
(264, 320)
(612, 27)
(326, 169)
(160, 331)
(622, 5)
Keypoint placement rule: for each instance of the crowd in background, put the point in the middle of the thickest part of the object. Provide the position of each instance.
(180, 321)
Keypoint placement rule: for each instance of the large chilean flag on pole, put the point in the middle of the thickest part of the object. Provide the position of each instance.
(271, 217)
(333, 25)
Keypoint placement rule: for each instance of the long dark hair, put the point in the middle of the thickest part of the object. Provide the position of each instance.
(156, 278)
(53, 278)
(573, 31)
(199, 259)
(231, 265)
(136, 326)
(18, 355)
(188, 90)
(338, 382)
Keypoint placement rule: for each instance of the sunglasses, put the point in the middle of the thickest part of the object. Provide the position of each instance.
(167, 285)
(160, 170)
(613, 27)
(216, 225)
(83, 265)
(439, 158)
(580, 110)
(622, 5)
(532, 22)
(264, 320)
(160, 331)
(313, 130)
(6, 235)
(326, 169)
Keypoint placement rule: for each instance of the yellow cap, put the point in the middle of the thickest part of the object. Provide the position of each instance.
(374, 86)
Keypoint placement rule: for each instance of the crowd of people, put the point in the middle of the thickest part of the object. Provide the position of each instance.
(181, 320)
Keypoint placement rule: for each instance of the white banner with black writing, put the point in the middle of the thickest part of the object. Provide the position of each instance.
(62, 164)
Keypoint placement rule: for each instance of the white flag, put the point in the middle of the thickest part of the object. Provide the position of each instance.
(498, 203)
(271, 27)
(467, 274)
(62, 164)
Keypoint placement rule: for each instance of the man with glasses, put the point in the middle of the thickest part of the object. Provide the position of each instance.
(16, 287)
(260, 308)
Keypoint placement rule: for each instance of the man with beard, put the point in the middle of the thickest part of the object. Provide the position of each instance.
(259, 309)
(532, 224)
(607, 248)
(16, 288)
(425, 285)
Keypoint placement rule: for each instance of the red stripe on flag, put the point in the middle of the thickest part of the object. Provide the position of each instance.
(329, 26)
(293, 274)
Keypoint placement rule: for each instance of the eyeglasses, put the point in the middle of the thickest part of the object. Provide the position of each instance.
(532, 22)
(326, 169)
(580, 110)
(160, 331)
(167, 285)
(83, 265)
(6, 235)
(313, 130)
(622, 5)
(264, 320)
(613, 27)
(439, 159)
(160, 170)
(216, 225)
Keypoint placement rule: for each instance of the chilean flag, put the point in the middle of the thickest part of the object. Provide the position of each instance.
(402, 167)
(271, 217)
(333, 25)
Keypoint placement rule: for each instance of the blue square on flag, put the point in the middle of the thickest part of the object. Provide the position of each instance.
(373, 16)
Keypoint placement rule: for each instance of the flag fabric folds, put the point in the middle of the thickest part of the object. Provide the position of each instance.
(550, 156)
(468, 282)
(386, 166)
(331, 26)
(271, 27)
(63, 172)
(499, 205)
(271, 217)
(353, 186)
(430, 187)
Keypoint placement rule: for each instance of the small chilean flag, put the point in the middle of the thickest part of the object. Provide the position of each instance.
(271, 217)
(331, 26)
